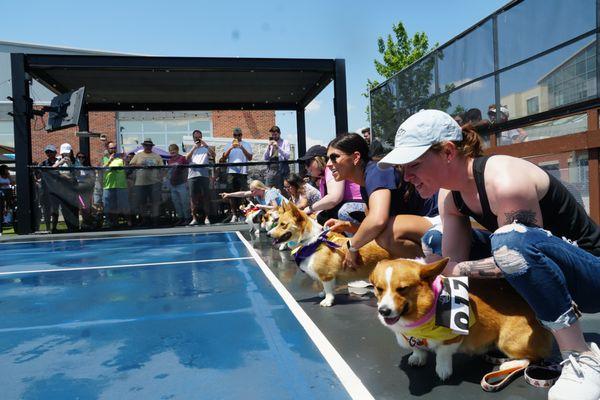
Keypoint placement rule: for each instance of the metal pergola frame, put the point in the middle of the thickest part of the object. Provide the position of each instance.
(43, 68)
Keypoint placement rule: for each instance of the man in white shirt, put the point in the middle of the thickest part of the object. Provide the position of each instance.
(278, 150)
(237, 177)
(198, 178)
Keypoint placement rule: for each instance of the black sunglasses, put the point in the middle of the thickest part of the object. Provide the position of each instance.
(333, 157)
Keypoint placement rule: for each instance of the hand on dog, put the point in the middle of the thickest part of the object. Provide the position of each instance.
(352, 260)
(337, 225)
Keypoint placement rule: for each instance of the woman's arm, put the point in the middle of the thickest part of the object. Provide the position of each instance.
(236, 194)
(376, 220)
(334, 196)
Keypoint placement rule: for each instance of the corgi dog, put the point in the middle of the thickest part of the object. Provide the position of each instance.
(406, 296)
(254, 217)
(270, 219)
(321, 253)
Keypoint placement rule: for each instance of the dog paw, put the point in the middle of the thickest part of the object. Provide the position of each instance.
(418, 358)
(327, 301)
(443, 371)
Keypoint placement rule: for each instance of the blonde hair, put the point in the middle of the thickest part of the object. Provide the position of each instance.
(321, 162)
(173, 146)
(258, 185)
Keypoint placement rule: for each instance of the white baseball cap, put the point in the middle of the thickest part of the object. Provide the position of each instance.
(65, 148)
(416, 135)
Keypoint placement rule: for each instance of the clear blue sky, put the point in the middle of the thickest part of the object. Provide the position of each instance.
(302, 29)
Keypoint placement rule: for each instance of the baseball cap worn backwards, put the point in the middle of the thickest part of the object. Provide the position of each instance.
(416, 135)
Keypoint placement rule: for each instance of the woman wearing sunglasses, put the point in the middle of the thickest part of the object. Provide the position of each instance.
(339, 199)
(397, 217)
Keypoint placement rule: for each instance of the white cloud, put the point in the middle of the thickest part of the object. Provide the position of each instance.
(313, 106)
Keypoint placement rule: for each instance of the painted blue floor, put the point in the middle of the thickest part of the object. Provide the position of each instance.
(118, 251)
(188, 331)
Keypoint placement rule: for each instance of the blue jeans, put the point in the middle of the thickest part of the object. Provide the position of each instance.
(181, 200)
(554, 276)
(115, 201)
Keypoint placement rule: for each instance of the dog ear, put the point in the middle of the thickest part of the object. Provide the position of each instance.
(295, 211)
(430, 271)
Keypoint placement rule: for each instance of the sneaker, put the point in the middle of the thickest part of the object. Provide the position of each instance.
(234, 219)
(580, 377)
(193, 223)
(207, 221)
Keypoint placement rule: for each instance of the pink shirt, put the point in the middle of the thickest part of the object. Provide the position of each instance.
(351, 189)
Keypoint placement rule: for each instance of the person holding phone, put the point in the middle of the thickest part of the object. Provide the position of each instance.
(199, 179)
(237, 177)
(277, 151)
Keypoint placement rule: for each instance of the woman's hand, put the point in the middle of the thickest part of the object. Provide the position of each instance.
(352, 260)
(337, 225)
(224, 195)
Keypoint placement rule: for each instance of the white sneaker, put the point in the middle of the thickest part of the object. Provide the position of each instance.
(580, 377)
(206, 221)
(234, 219)
(193, 223)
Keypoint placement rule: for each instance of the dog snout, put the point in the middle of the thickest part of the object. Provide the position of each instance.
(385, 311)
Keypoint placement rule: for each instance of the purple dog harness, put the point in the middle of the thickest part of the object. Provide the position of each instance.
(303, 252)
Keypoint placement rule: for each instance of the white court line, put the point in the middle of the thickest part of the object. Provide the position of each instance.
(124, 266)
(351, 382)
(112, 237)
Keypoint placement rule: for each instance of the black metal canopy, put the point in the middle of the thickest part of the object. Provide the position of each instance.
(147, 83)
(182, 83)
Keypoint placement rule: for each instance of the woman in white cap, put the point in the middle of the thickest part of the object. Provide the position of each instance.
(543, 242)
(67, 193)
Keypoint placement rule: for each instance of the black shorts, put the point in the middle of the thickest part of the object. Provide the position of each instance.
(237, 182)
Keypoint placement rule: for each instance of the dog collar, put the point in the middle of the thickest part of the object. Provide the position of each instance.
(301, 253)
(436, 286)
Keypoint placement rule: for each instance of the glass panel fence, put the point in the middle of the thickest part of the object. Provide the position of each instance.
(466, 59)
(69, 199)
(534, 26)
(571, 168)
(562, 77)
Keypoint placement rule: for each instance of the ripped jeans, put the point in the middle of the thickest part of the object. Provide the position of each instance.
(551, 274)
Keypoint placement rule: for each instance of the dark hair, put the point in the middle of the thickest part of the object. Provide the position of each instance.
(295, 180)
(473, 115)
(471, 145)
(351, 142)
(86, 162)
(365, 130)
(197, 130)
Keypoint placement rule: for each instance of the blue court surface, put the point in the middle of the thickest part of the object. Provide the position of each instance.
(155, 317)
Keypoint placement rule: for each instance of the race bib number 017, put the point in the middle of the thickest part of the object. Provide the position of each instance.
(452, 310)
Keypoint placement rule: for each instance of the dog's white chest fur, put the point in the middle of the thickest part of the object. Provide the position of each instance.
(307, 265)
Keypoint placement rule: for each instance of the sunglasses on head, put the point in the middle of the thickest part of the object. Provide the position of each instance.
(334, 157)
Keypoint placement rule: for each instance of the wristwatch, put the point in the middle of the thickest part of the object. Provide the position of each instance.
(351, 248)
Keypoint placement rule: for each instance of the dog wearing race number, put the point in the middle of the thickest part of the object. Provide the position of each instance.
(410, 297)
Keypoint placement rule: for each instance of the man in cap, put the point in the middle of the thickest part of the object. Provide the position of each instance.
(49, 199)
(511, 136)
(278, 150)
(148, 181)
(237, 177)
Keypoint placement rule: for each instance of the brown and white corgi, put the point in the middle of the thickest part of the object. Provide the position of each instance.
(320, 253)
(406, 295)
(254, 216)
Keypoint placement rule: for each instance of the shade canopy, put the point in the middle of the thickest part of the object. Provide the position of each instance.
(118, 83)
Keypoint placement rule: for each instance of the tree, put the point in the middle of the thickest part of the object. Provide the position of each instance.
(400, 97)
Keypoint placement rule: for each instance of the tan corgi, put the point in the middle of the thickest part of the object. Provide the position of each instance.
(320, 253)
(406, 295)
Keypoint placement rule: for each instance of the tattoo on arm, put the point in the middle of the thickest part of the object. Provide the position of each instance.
(525, 217)
(480, 269)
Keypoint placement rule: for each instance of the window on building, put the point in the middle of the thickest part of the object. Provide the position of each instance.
(163, 128)
(533, 105)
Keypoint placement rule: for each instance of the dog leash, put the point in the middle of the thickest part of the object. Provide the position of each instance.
(542, 375)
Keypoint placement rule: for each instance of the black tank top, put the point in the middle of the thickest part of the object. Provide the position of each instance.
(562, 214)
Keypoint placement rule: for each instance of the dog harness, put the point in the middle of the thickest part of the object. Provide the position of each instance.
(425, 327)
(301, 253)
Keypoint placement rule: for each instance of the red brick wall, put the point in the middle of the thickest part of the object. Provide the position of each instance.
(254, 124)
(101, 122)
